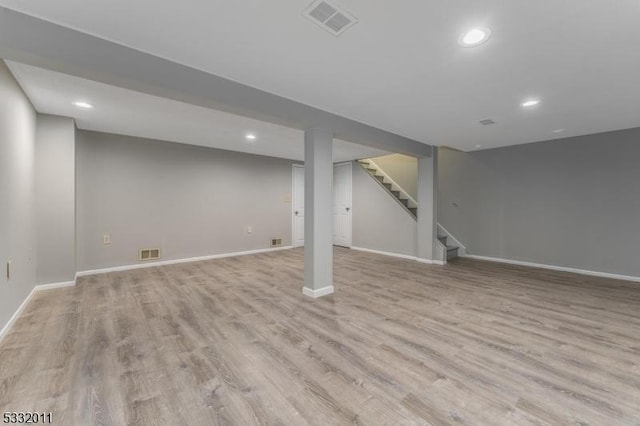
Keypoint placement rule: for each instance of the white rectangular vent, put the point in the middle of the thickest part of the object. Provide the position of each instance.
(487, 122)
(149, 254)
(322, 12)
(329, 16)
(276, 242)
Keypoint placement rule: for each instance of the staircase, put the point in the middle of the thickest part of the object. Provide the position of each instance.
(401, 197)
(398, 194)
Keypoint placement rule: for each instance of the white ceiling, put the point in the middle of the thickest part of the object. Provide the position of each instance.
(126, 112)
(400, 68)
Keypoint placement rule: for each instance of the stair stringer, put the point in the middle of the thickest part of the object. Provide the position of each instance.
(462, 250)
(383, 180)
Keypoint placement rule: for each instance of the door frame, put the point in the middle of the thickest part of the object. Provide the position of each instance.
(293, 203)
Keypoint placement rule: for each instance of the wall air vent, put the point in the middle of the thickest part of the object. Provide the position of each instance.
(487, 122)
(149, 254)
(276, 242)
(329, 16)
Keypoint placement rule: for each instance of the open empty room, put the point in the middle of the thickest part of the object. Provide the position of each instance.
(320, 213)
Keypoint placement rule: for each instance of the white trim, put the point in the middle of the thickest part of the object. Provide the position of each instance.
(26, 301)
(401, 256)
(176, 261)
(386, 253)
(55, 285)
(555, 268)
(462, 249)
(317, 293)
(14, 317)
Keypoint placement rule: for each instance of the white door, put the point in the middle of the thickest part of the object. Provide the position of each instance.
(298, 206)
(342, 204)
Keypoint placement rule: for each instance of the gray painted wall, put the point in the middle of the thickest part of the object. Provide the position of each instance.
(402, 169)
(189, 201)
(55, 199)
(379, 222)
(572, 203)
(17, 195)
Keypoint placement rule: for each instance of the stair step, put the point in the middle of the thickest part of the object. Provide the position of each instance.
(395, 193)
(452, 252)
(404, 201)
(414, 211)
(443, 239)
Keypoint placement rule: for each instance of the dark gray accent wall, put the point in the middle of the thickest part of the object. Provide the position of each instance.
(378, 221)
(17, 195)
(188, 201)
(572, 203)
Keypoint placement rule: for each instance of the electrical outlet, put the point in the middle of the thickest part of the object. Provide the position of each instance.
(249, 230)
(106, 239)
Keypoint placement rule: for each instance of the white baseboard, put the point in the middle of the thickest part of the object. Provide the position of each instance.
(176, 261)
(401, 256)
(431, 262)
(317, 293)
(385, 253)
(55, 285)
(15, 316)
(24, 304)
(555, 268)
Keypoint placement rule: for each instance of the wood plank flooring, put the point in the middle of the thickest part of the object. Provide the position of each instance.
(233, 341)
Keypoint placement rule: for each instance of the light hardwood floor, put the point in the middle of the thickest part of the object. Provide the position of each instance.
(233, 341)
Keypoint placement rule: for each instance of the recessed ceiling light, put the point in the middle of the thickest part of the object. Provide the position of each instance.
(81, 104)
(474, 37)
(557, 131)
(251, 137)
(530, 103)
(478, 146)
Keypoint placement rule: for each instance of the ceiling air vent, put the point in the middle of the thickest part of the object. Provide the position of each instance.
(487, 122)
(329, 16)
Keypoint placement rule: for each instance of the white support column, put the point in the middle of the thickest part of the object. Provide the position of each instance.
(427, 206)
(318, 204)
